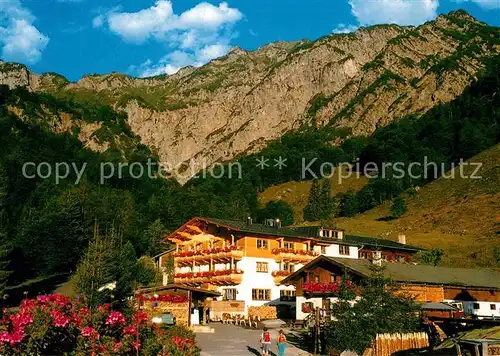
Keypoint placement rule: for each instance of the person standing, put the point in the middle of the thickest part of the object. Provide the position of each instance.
(281, 343)
(265, 342)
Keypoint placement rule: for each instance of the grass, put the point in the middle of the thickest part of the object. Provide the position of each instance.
(459, 215)
(297, 193)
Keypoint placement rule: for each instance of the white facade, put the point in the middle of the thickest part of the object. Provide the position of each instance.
(260, 280)
(251, 279)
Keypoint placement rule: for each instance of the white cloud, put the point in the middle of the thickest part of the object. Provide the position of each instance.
(205, 15)
(195, 36)
(486, 4)
(401, 12)
(172, 62)
(159, 20)
(139, 26)
(210, 52)
(98, 21)
(21, 40)
(343, 28)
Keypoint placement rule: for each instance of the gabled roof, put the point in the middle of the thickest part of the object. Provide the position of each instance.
(175, 287)
(411, 274)
(308, 232)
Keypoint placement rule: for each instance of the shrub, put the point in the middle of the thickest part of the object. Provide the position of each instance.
(55, 325)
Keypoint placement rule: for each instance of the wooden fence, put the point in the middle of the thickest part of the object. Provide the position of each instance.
(387, 344)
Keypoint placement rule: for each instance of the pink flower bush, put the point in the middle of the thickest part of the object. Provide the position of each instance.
(90, 332)
(55, 325)
(115, 318)
(130, 330)
(59, 319)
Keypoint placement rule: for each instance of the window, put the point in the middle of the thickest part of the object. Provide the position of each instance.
(332, 278)
(287, 295)
(476, 306)
(289, 245)
(263, 244)
(230, 294)
(307, 307)
(364, 255)
(311, 277)
(335, 234)
(323, 250)
(344, 250)
(261, 294)
(262, 267)
(288, 267)
(493, 307)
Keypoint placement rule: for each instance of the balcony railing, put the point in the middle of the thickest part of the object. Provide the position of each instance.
(278, 276)
(216, 254)
(293, 255)
(222, 277)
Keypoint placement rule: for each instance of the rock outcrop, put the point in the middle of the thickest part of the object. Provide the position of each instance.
(238, 103)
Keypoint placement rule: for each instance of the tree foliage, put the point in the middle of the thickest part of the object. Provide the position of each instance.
(320, 205)
(431, 257)
(277, 209)
(378, 310)
(398, 207)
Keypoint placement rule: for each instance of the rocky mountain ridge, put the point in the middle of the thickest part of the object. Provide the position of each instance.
(236, 104)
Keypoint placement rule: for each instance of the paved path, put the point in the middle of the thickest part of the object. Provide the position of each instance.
(231, 340)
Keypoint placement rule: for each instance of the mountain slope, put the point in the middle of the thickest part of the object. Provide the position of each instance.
(238, 103)
(460, 215)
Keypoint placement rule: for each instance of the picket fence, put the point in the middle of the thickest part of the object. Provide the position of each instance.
(387, 344)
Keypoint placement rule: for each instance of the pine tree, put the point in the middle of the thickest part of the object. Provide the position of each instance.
(277, 209)
(154, 235)
(312, 210)
(398, 207)
(349, 204)
(5, 245)
(125, 273)
(326, 202)
(97, 266)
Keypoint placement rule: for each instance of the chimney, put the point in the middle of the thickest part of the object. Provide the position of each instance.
(278, 223)
(249, 221)
(377, 258)
(402, 239)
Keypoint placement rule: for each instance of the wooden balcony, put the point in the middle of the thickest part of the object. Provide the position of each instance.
(216, 255)
(222, 278)
(278, 276)
(294, 256)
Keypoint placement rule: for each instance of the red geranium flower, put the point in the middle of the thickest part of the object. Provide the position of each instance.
(130, 330)
(115, 318)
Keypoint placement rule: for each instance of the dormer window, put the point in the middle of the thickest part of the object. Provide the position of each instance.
(330, 234)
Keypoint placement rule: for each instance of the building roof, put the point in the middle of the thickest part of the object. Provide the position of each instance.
(411, 273)
(438, 306)
(308, 232)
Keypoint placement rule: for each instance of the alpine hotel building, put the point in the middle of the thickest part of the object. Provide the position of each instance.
(246, 262)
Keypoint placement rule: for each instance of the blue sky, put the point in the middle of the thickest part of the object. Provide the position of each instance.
(148, 37)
